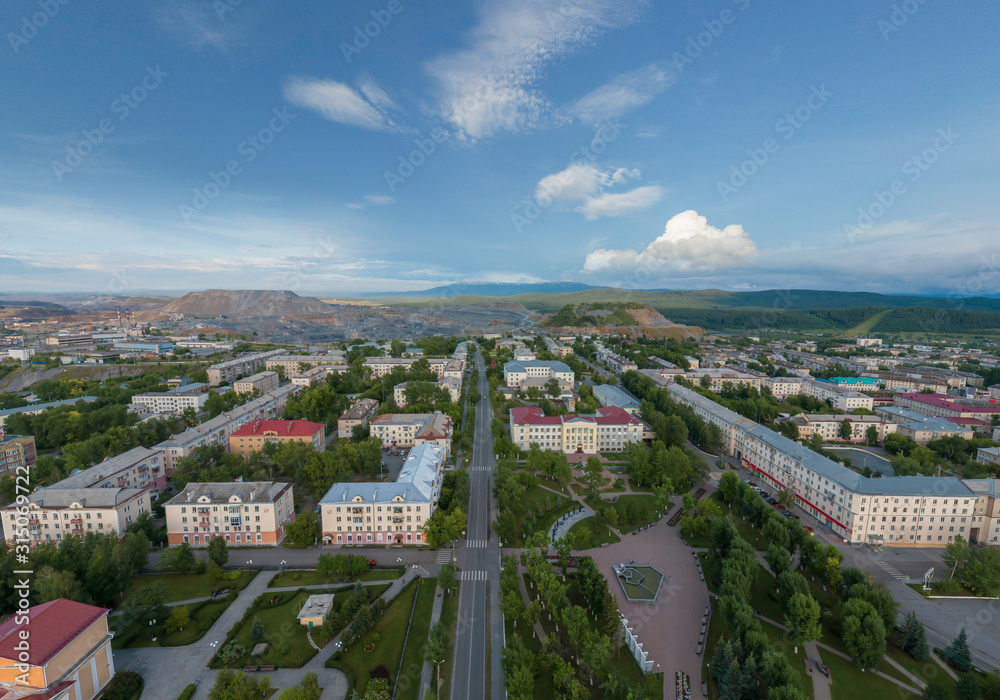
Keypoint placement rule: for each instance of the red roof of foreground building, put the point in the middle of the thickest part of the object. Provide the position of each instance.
(294, 428)
(51, 626)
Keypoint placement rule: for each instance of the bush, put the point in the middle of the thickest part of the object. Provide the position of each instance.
(124, 686)
(189, 691)
(948, 586)
(283, 650)
(379, 672)
(231, 653)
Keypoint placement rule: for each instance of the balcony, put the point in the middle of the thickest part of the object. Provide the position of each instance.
(78, 530)
(77, 521)
(143, 467)
(398, 519)
(32, 521)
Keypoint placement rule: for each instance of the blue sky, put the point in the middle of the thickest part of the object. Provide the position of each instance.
(390, 145)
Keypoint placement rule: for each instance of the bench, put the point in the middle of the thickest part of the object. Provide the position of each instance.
(268, 669)
(250, 669)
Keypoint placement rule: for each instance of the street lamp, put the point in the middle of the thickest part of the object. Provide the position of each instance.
(152, 626)
(249, 563)
(281, 566)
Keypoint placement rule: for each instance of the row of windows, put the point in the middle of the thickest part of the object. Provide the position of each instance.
(215, 509)
(368, 509)
(235, 528)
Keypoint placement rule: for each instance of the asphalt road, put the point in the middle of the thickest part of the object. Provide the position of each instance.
(479, 633)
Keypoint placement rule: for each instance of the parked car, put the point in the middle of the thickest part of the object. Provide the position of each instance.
(752, 484)
(778, 506)
(372, 563)
(807, 528)
(772, 500)
(764, 494)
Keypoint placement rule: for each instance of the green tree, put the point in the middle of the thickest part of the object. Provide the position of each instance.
(306, 689)
(778, 559)
(729, 484)
(846, 429)
(303, 531)
(593, 475)
(967, 687)
(218, 550)
(956, 555)
(863, 632)
(444, 527)
(914, 638)
(957, 654)
(871, 435)
(237, 685)
(803, 619)
(179, 558)
(446, 579)
(982, 571)
(144, 606)
(179, 618)
(51, 584)
(437, 647)
(256, 630)
(608, 515)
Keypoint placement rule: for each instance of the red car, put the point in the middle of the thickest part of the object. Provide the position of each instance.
(778, 506)
(806, 527)
(372, 563)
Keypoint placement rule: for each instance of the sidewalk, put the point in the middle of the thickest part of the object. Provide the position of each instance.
(427, 670)
(821, 684)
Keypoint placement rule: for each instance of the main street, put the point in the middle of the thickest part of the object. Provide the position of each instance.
(479, 633)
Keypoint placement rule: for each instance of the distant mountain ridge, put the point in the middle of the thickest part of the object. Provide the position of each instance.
(488, 289)
(245, 302)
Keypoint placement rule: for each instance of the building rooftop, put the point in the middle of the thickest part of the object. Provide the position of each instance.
(359, 409)
(109, 467)
(522, 365)
(53, 626)
(87, 497)
(317, 605)
(615, 396)
(44, 406)
(223, 419)
(421, 467)
(236, 492)
(288, 428)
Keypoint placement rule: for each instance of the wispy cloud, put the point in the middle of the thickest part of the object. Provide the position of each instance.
(367, 106)
(372, 200)
(198, 25)
(491, 87)
(625, 93)
(586, 184)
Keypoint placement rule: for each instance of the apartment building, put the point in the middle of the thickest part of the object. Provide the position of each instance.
(947, 406)
(262, 382)
(840, 398)
(139, 468)
(54, 513)
(317, 374)
(359, 413)
(615, 362)
(225, 372)
(516, 373)
(719, 378)
(173, 400)
(828, 426)
(147, 347)
(908, 511)
(524, 355)
(59, 650)
(922, 429)
(249, 512)
(857, 383)
(988, 455)
(253, 436)
(452, 386)
(902, 382)
(557, 349)
(216, 431)
(868, 342)
(353, 512)
(413, 429)
(611, 429)
(17, 452)
(443, 367)
(22, 354)
(293, 364)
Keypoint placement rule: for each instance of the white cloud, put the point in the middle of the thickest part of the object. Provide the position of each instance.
(491, 86)
(586, 183)
(197, 25)
(368, 106)
(688, 244)
(373, 200)
(621, 203)
(623, 94)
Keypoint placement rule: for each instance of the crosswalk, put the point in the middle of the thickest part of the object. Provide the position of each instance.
(472, 576)
(478, 469)
(892, 571)
(476, 544)
(443, 556)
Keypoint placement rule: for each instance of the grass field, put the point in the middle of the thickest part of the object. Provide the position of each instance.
(591, 533)
(848, 682)
(530, 501)
(311, 577)
(201, 621)
(645, 588)
(188, 586)
(866, 325)
(408, 684)
(644, 510)
(389, 649)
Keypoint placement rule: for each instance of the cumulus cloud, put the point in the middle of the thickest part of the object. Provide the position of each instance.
(368, 106)
(585, 183)
(688, 244)
(490, 87)
(623, 94)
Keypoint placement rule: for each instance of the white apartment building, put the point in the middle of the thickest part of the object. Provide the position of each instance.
(413, 429)
(292, 364)
(56, 513)
(216, 431)
(379, 512)
(828, 426)
(248, 364)
(611, 429)
(842, 399)
(174, 400)
(443, 367)
(249, 512)
(317, 374)
(452, 386)
(516, 373)
(615, 362)
(557, 349)
(718, 378)
(262, 382)
(139, 468)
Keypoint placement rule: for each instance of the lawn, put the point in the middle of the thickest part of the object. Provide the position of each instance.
(188, 586)
(924, 670)
(531, 500)
(203, 616)
(389, 649)
(311, 577)
(746, 529)
(779, 642)
(449, 613)
(591, 533)
(848, 682)
(644, 510)
(408, 685)
(544, 683)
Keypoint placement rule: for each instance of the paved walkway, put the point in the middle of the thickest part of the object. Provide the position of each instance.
(563, 525)
(166, 671)
(821, 684)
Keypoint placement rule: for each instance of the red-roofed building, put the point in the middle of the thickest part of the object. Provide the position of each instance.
(60, 650)
(949, 407)
(611, 429)
(253, 436)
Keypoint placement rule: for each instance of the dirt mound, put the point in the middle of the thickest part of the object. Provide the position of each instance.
(244, 303)
(648, 322)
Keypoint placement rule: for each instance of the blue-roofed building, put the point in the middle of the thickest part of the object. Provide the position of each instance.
(41, 407)
(517, 373)
(386, 512)
(610, 395)
(155, 347)
(859, 383)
